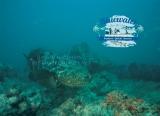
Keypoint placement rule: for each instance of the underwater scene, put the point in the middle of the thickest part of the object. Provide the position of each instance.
(79, 58)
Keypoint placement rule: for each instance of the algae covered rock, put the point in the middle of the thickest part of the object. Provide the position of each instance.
(122, 104)
(72, 107)
(24, 98)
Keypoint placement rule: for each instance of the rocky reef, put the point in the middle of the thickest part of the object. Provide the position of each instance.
(116, 103)
(124, 105)
(78, 84)
(21, 98)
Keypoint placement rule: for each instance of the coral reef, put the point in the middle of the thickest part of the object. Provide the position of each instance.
(18, 99)
(115, 104)
(102, 96)
(124, 105)
(66, 86)
(72, 107)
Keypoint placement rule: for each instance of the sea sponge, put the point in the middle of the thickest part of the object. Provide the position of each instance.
(23, 99)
